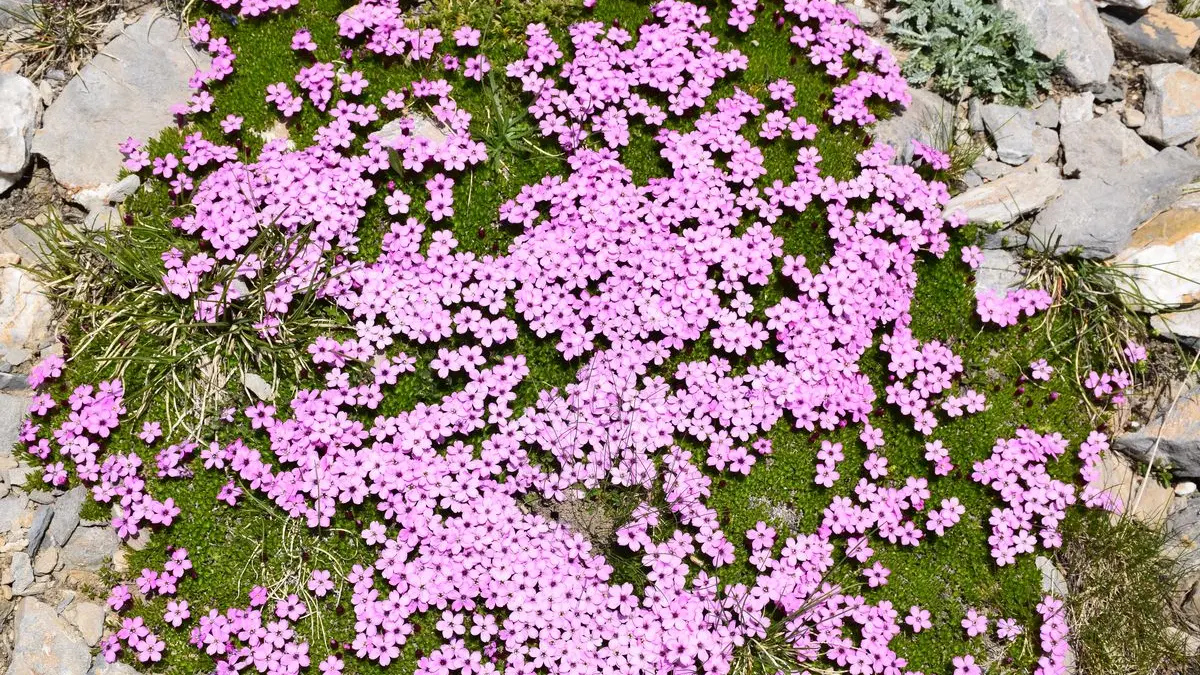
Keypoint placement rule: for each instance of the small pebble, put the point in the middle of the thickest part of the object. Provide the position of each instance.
(1185, 488)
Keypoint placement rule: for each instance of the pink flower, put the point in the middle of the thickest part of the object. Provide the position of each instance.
(918, 619)
(877, 575)
(177, 612)
(972, 256)
(320, 583)
(975, 623)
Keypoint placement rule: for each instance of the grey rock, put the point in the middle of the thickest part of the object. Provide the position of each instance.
(1111, 92)
(46, 561)
(258, 386)
(1172, 104)
(140, 541)
(46, 92)
(1100, 144)
(866, 17)
(124, 188)
(1183, 528)
(1006, 199)
(1045, 146)
(23, 241)
(1002, 238)
(927, 119)
(1012, 130)
(125, 90)
(11, 12)
(1182, 326)
(104, 668)
(13, 408)
(11, 508)
(975, 115)
(1157, 36)
(68, 596)
(92, 199)
(1072, 28)
(1046, 114)
(990, 169)
(14, 382)
(90, 548)
(22, 573)
(1176, 435)
(103, 219)
(20, 105)
(1053, 580)
(25, 311)
(112, 29)
(1097, 214)
(1138, 5)
(1076, 108)
(999, 271)
(15, 356)
(37, 531)
(971, 179)
(89, 619)
(41, 497)
(44, 644)
(19, 475)
(1133, 118)
(1163, 256)
(66, 515)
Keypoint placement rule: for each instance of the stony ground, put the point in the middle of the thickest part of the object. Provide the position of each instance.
(1100, 168)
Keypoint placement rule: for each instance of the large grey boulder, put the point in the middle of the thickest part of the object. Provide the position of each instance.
(1012, 130)
(927, 119)
(1100, 144)
(1172, 104)
(1177, 435)
(125, 90)
(1008, 198)
(1163, 256)
(20, 106)
(1072, 28)
(45, 644)
(1097, 214)
(1157, 36)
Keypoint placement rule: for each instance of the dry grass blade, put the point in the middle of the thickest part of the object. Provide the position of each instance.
(57, 33)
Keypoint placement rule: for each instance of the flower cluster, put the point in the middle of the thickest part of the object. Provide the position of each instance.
(1005, 309)
(623, 276)
(1034, 500)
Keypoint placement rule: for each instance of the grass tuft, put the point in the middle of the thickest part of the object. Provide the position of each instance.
(1121, 602)
(128, 327)
(1097, 310)
(57, 33)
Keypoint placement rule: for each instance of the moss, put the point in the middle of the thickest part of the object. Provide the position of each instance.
(235, 548)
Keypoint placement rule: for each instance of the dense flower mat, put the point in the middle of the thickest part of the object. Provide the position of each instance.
(685, 297)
